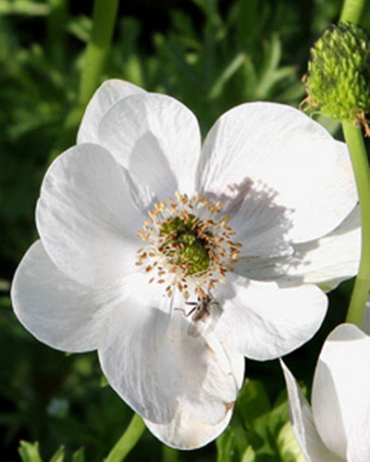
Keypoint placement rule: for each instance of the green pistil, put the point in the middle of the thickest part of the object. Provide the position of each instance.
(179, 225)
(186, 244)
(193, 253)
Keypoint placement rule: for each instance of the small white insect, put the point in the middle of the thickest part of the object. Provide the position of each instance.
(205, 313)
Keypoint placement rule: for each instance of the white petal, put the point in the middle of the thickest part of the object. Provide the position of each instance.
(55, 309)
(105, 96)
(326, 261)
(358, 449)
(157, 139)
(341, 386)
(283, 152)
(186, 431)
(156, 366)
(86, 218)
(267, 321)
(331, 259)
(303, 426)
(262, 226)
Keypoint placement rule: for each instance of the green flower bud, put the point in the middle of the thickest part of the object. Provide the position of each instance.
(338, 81)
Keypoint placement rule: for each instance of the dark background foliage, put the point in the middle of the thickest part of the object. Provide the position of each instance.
(211, 55)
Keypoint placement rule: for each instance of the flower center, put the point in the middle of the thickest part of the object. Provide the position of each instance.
(188, 243)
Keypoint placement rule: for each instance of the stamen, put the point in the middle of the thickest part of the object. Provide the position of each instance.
(187, 242)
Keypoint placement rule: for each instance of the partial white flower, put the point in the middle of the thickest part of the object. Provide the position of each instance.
(365, 325)
(338, 426)
(176, 261)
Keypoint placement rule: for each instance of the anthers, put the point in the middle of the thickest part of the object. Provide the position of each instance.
(187, 240)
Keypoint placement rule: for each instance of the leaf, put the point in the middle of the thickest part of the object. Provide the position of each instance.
(249, 455)
(270, 73)
(79, 455)
(29, 452)
(104, 381)
(4, 285)
(58, 456)
(227, 445)
(230, 69)
(252, 403)
(23, 7)
(287, 444)
(241, 439)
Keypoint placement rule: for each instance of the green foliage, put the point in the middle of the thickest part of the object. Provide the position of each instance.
(259, 431)
(287, 444)
(213, 69)
(24, 8)
(29, 452)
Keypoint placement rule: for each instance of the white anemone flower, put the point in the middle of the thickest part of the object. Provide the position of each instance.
(176, 261)
(337, 428)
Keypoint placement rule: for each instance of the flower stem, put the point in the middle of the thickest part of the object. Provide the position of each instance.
(355, 141)
(56, 32)
(352, 10)
(127, 441)
(104, 15)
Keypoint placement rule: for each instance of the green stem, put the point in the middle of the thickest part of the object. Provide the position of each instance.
(352, 10)
(56, 32)
(104, 15)
(127, 441)
(355, 141)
